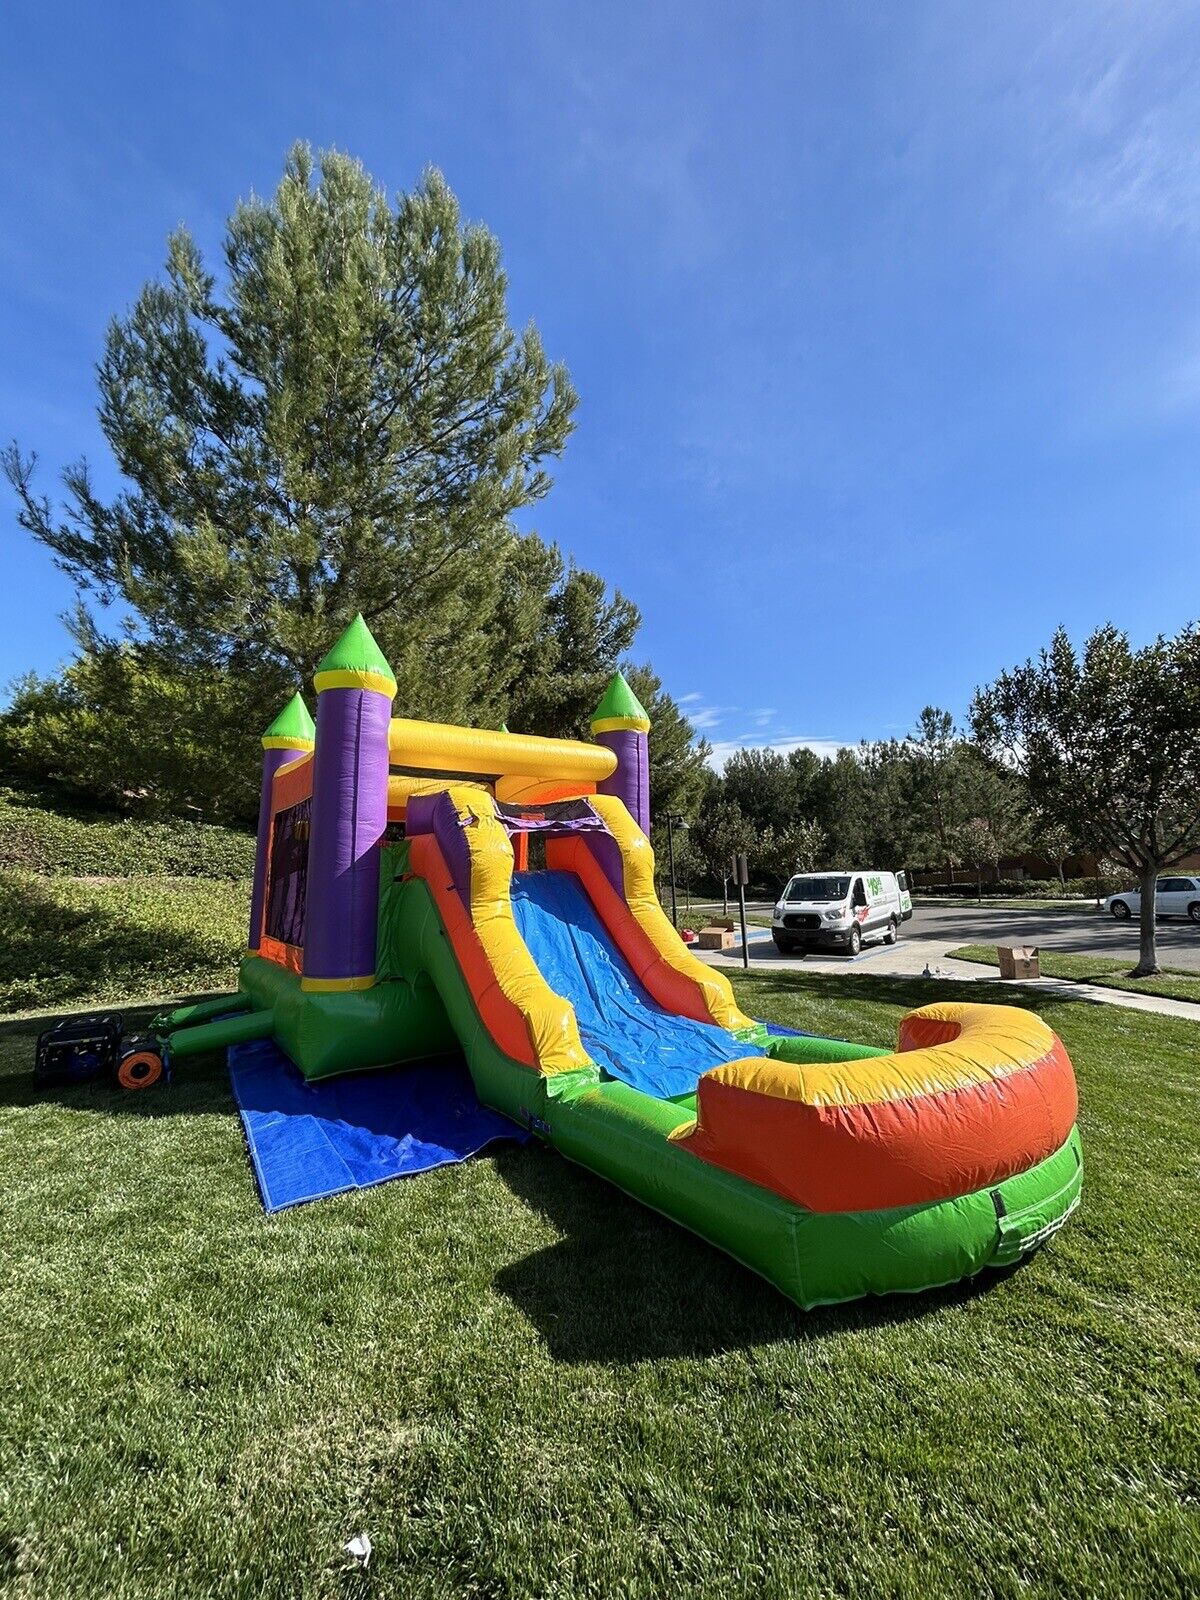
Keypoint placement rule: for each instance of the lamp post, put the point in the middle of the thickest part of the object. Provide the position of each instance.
(673, 822)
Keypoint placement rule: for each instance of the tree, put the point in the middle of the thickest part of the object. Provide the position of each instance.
(343, 421)
(571, 653)
(720, 833)
(935, 752)
(122, 733)
(975, 843)
(351, 416)
(1109, 741)
(764, 784)
(795, 848)
(998, 798)
(1055, 841)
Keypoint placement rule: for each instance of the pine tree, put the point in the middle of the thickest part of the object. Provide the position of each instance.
(341, 420)
(346, 422)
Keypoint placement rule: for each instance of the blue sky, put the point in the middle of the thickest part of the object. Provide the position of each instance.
(884, 317)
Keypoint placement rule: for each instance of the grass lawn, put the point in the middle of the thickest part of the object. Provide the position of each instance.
(1175, 983)
(79, 942)
(521, 1383)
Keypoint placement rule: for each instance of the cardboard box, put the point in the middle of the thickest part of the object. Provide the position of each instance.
(716, 937)
(1018, 961)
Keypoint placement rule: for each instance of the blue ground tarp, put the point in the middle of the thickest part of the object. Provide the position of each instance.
(622, 1028)
(308, 1140)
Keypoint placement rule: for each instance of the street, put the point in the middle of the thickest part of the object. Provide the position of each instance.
(932, 930)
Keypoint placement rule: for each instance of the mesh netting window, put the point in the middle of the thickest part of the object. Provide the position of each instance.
(287, 892)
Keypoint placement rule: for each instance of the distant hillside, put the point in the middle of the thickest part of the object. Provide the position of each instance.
(42, 832)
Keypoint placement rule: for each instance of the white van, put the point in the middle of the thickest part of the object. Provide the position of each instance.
(839, 909)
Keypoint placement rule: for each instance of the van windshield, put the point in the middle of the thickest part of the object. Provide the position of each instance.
(817, 889)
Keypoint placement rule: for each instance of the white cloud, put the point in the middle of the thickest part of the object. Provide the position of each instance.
(722, 749)
(705, 717)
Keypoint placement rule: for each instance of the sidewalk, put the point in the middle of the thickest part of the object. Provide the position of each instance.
(914, 958)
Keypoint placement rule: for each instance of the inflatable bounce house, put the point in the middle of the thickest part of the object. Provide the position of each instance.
(425, 891)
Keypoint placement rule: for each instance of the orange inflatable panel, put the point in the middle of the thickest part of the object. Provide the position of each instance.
(974, 1095)
(499, 1015)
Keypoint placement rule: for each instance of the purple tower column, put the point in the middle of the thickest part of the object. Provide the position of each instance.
(621, 723)
(288, 738)
(355, 687)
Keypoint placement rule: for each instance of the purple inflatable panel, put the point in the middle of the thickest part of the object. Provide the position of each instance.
(608, 858)
(350, 788)
(631, 780)
(436, 814)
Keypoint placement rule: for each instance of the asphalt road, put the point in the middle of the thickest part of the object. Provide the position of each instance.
(1077, 932)
(1074, 931)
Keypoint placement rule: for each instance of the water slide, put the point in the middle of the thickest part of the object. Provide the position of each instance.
(831, 1168)
(623, 1028)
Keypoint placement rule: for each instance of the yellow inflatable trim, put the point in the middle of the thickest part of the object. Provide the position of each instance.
(993, 1042)
(550, 1019)
(401, 788)
(622, 725)
(351, 678)
(435, 747)
(289, 766)
(637, 866)
(337, 985)
(285, 741)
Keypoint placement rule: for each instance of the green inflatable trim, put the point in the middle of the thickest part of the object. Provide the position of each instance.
(619, 700)
(293, 722)
(199, 1038)
(356, 650)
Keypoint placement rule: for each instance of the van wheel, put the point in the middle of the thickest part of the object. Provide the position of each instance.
(855, 941)
(892, 934)
(1194, 911)
(1120, 910)
(784, 946)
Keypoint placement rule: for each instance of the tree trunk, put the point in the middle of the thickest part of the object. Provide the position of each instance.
(724, 896)
(1061, 875)
(1147, 946)
(979, 885)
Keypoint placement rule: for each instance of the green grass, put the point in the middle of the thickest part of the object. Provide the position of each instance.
(521, 1383)
(41, 832)
(1173, 983)
(65, 942)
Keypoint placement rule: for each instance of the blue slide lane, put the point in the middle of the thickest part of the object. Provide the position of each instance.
(624, 1031)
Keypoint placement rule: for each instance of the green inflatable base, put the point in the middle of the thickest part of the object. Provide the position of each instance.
(421, 1007)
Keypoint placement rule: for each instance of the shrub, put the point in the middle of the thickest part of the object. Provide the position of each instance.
(1026, 889)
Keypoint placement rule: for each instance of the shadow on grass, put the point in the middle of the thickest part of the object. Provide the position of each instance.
(198, 1085)
(624, 1284)
(56, 953)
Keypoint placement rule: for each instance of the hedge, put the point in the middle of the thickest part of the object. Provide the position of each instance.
(1026, 888)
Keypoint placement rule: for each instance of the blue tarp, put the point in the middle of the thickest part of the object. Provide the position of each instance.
(622, 1028)
(308, 1140)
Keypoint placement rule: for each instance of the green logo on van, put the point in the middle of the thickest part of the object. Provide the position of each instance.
(875, 885)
